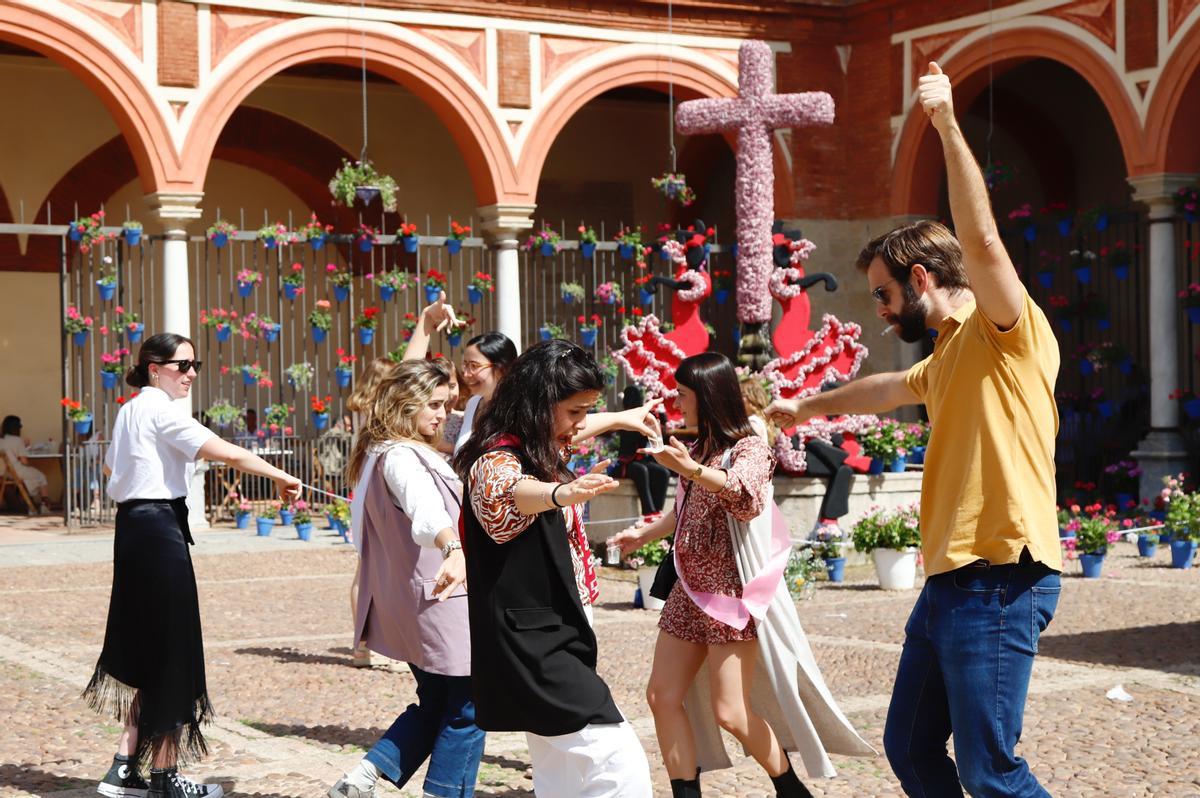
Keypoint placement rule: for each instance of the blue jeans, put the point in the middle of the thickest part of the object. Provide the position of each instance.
(440, 727)
(968, 652)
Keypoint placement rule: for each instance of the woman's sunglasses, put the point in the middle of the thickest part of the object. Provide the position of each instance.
(185, 365)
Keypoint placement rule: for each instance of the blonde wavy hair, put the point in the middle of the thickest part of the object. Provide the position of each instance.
(756, 397)
(368, 383)
(391, 412)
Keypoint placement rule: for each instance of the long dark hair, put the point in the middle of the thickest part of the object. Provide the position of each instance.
(497, 347)
(719, 407)
(523, 406)
(155, 349)
(12, 426)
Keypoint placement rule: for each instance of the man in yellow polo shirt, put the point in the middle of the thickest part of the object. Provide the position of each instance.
(988, 529)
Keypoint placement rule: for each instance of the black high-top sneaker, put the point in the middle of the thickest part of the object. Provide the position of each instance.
(122, 781)
(170, 783)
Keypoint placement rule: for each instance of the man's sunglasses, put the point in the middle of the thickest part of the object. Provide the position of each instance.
(185, 365)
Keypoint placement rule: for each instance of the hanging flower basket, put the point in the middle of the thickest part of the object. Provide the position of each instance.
(674, 186)
(361, 181)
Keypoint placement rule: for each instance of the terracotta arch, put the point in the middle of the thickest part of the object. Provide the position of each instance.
(919, 155)
(402, 59)
(115, 82)
(692, 80)
(1173, 113)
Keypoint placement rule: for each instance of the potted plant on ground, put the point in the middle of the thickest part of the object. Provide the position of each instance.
(77, 325)
(366, 322)
(267, 515)
(545, 241)
(365, 237)
(391, 282)
(243, 512)
(1182, 521)
(454, 241)
(571, 292)
(78, 414)
(131, 323)
(314, 232)
(588, 329)
(286, 515)
(1095, 528)
(132, 230)
(892, 537)
(646, 561)
(916, 440)
(884, 446)
(302, 518)
(829, 542)
(550, 330)
(360, 180)
(608, 293)
(293, 281)
(220, 232)
(629, 242)
(112, 366)
(222, 413)
(246, 280)
(587, 241)
(435, 284)
(480, 284)
(339, 513)
(800, 574)
(107, 283)
(274, 235)
(320, 411)
(345, 368)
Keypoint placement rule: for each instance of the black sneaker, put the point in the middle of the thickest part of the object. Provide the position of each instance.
(122, 781)
(172, 784)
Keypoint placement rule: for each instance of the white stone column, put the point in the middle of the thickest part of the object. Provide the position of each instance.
(503, 225)
(174, 211)
(1162, 451)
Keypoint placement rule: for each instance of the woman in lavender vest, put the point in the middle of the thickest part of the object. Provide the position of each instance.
(410, 604)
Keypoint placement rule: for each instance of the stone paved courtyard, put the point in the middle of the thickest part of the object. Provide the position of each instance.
(294, 713)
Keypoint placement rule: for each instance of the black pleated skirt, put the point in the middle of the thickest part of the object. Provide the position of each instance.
(151, 670)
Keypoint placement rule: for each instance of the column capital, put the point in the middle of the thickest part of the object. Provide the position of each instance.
(1157, 191)
(505, 222)
(174, 209)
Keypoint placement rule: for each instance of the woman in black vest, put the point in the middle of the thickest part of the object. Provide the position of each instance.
(532, 579)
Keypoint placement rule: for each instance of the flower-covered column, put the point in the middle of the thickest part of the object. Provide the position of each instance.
(174, 211)
(503, 225)
(1162, 451)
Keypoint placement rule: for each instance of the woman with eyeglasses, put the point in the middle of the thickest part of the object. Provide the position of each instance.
(150, 674)
(486, 359)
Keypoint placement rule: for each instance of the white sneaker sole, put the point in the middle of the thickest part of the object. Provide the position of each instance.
(120, 792)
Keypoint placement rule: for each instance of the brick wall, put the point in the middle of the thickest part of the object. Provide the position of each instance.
(513, 47)
(178, 58)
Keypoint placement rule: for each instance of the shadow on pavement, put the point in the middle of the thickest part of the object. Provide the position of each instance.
(295, 655)
(331, 735)
(1171, 647)
(30, 779)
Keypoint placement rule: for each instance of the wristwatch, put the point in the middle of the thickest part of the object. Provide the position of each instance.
(454, 545)
(696, 474)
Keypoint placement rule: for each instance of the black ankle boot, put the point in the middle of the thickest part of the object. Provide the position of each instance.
(788, 785)
(686, 788)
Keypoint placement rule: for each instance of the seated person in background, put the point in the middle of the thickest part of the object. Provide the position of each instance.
(18, 457)
(648, 476)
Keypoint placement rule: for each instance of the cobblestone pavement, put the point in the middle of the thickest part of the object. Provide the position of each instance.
(294, 714)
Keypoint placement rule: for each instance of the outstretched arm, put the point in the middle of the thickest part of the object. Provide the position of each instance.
(875, 394)
(434, 318)
(994, 281)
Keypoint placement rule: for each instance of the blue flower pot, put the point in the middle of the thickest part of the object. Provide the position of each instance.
(317, 242)
(1103, 324)
(1087, 367)
(242, 520)
(1182, 553)
(1190, 216)
(545, 333)
(664, 254)
(318, 335)
(410, 243)
(454, 245)
(432, 292)
(836, 568)
(1193, 315)
(365, 336)
(365, 244)
(454, 339)
(722, 296)
(220, 239)
(474, 295)
(568, 298)
(897, 466)
(248, 378)
(1045, 279)
(1121, 272)
(80, 338)
(84, 426)
(1083, 274)
(737, 336)
(1064, 227)
(1101, 222)
(588, 337)
(341, 292)
(386, 292)
(290, 292)
(224, 331)
(876, 466)
(366, 194)
(1126, 366)
(286, 516)
(918, 455)
(304, 531)
(107, 291)
(587, 249)
(109, 379)
(320, 420)
(625, 251)
(265, 525)
(1105, 408)
(1092, 565)
(647, 296)
(134, 334)
(271, 333)
(270, 243)
(245, 289)
(637, 598)
(1164, 537)
(330, 521)
(74, 233)
(1030, 232)
(1147, 545)
(1192, 408)
(1064, 325)
(343, 377)
(549, 249)
(132, 237)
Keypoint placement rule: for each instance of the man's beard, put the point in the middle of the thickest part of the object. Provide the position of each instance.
(911, 318)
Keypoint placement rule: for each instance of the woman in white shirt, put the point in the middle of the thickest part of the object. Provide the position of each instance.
(18, 457)
(150, 674)
(409, 609)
